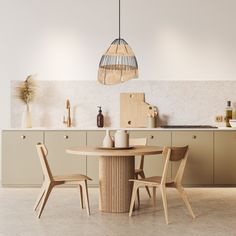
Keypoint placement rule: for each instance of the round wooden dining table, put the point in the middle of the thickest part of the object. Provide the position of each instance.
(116, 168)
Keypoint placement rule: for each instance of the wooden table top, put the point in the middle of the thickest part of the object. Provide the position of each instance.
(96, 151)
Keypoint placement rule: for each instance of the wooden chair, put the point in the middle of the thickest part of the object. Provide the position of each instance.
(170, 154)
(140, 171)
(50, 181)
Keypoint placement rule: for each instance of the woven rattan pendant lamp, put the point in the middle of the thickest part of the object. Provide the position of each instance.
(119, 63)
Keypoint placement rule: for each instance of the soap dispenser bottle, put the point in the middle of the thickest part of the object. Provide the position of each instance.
(100, 118)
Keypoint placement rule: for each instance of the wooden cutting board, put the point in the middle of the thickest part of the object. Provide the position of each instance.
(134, 110)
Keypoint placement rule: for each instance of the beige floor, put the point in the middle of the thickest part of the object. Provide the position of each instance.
(215, 210)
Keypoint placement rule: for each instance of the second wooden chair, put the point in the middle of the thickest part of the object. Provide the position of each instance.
(139, 172)
(173, 154)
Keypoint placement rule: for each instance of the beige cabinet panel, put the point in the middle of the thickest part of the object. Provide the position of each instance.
(225, 157)
(94, 139)
(20, 163)
(61, 162)
(153, 164)
(199, 167)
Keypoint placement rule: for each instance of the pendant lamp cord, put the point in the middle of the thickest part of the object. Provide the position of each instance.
(119, 20)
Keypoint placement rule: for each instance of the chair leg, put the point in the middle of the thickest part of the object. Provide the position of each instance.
(164, 200)
(138, 195)
(185, 199)
(81, 197)
(85, 193)
(48, 190)
(138, 198)
(39, 198)
(143, 177)
(154, 197)
(134, 192)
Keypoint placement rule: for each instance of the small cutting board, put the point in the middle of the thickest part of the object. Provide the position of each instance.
(134, 110)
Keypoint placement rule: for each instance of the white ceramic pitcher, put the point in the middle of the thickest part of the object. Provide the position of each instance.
(121, 138)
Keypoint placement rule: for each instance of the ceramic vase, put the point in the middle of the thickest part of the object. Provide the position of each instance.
(108, 141)
(151, 121)
(121, 139)
(26, 118)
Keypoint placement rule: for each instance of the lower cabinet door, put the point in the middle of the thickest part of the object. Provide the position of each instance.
(94, 139)
(62, 163)
(20, 162)
(225, 157)
(199, 167)
(153, 164)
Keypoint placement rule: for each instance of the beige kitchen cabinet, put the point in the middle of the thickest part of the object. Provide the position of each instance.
(199, 167)
(225, 157)
(20, 163)
(60, 162)
(153, 164)
(94, 139)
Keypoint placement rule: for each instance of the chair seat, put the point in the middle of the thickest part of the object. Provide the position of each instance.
(70, 178)
(154, 181)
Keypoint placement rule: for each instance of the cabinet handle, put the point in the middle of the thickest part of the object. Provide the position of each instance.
(151, 137)
(194, 136)
(23, 136)
(66, 137)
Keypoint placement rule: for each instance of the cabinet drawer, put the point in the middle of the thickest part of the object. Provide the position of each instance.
(20, 162)
(153, 164)
(225, 157)
(199, 167)
(94, 139)
(60, 162)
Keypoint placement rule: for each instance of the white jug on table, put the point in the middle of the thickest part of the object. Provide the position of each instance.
(121, 138)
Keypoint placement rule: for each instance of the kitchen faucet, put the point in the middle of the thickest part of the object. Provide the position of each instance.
(68, 120)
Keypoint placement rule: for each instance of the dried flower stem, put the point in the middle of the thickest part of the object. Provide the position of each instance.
(26, 90)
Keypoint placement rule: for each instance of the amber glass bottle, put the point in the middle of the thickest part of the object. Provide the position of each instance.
(100, 118)
(228, 113)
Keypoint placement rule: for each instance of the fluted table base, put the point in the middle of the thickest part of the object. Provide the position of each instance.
(115, 187)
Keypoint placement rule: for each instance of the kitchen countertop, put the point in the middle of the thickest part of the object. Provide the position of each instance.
(114, 128)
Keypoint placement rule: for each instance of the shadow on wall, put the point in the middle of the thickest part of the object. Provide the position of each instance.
(162, 120)
(107, 119)
(74, 115)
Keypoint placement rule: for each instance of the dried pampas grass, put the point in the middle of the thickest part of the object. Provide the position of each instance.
(26, 90)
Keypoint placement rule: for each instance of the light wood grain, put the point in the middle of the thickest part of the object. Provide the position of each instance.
(134, 110)
(50, 181)
(116, 167)
(138, 150)
(139, 172)
(179, 153)
(115, 187)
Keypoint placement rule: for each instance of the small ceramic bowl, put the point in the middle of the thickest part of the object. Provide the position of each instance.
(232, 123)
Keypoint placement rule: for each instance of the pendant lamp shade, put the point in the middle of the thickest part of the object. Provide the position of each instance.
(119, 63)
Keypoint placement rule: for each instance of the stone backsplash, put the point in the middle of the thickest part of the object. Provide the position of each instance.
(178, 102)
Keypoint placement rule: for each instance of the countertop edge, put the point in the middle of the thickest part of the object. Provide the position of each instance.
(114, 128)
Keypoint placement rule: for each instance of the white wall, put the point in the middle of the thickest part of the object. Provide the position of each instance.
(64, 39)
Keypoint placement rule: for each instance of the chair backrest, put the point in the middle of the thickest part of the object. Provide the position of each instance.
(175, 154)
(139, 142)
(42, 153)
